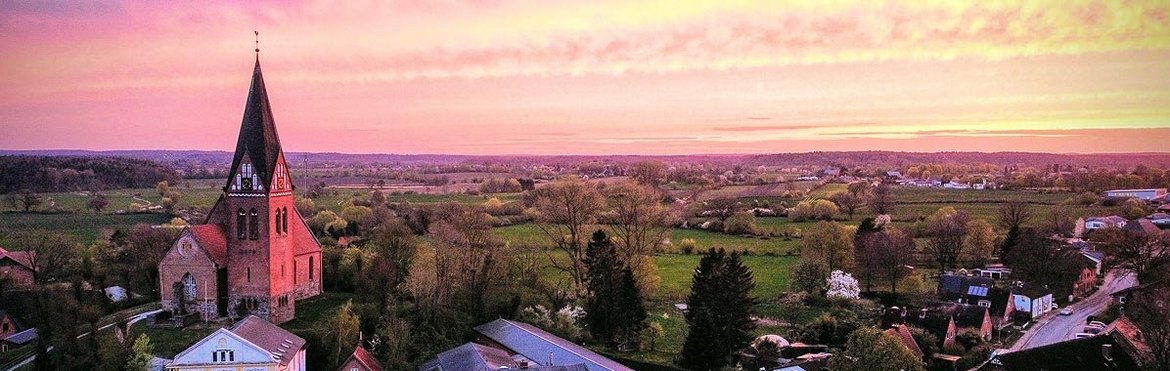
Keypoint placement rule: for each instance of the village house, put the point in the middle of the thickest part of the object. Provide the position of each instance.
(17, 267)
(1086, 282)
(1091, 353)
(1094, 223)
(13, 333)
(508, 345)
(902, 333)
(943, 320)
(360, 360)
(1031, 301)
(254, 254)
(253, 344)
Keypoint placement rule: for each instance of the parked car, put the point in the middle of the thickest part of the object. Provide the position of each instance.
(1098, 323)
(1066, 311)
(1082, 335)
(1092, 330)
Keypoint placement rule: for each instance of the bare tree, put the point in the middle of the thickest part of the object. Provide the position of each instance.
(51, 255)
(848, 201)
(948, 230)
(649, 173)
(1013, 215)
(470, 260)
(563, 211)
(884, 255)
(637, 218)
(722, 208)
(1144, 254)
(1149, 309)
(30, 200)
(881, 201)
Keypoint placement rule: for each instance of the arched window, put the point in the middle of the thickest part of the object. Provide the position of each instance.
(277, 219)
(310, 268)
(284, 217)
(241, 225)
(253, 225)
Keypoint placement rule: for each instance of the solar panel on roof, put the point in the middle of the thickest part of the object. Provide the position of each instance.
(977, 291)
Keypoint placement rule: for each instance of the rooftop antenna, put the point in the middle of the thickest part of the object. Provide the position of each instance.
(257, 42)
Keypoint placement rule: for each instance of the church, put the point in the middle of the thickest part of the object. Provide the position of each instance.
(254, 254)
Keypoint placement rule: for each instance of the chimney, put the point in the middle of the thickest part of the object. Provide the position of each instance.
(1107, 352)
(523, 364)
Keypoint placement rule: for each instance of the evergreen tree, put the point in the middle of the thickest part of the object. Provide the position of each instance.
(719, 311)
(143, 352)
(614, 310)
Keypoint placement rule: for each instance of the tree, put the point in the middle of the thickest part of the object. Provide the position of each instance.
(870, 349)
(722, 208)
(649, 173)
(948, 230)
(340, 333)
(1133, 208)
(614, 309)
(1144, 254)
(143, 353)
(637, 218)
(1014, 215)
(563, 210)
(30, 200)
(719, 311)
(51, 254)
(859, 189)
(884, 255)
(881, 200)
(394, 243)
(1149, 309)
(848, 201)
(979, 244)
(830, 242)
(741, 223)
(97, 202)
(809, 275)
(814, 209)
(842, 286)
(471, 261)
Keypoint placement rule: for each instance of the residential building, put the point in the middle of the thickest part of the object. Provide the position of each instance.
(902, 333)
(1160, 219)
(952, 286)
(1091, 353)
(1087, 280)
(13, 333)
(1142, 226)
(252, 344)
(1031, 301)
(360, 360)
(254, 254)
(940, 325)
(1146, 194)
(1093, 223)
(472, 356)
(17, 267)
(525, 342)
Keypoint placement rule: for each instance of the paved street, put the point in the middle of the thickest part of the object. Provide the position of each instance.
(1054, 328)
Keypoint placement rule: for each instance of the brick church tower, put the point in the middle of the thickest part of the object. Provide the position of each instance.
(255, 247)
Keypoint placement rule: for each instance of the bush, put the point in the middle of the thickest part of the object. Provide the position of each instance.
(687, 246)
(741, 223)
(818, 209)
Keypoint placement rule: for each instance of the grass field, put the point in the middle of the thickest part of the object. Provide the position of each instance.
(85, 228)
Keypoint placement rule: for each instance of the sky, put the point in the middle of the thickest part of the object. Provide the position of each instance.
(591, 77)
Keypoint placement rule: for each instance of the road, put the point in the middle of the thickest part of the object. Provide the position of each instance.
(1054, 328)
(133, 319)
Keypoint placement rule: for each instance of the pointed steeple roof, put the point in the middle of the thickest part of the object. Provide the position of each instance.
(258, 139)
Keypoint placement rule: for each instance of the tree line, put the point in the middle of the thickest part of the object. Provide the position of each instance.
(65, 174)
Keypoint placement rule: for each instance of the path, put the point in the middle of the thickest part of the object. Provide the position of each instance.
(1054, 328)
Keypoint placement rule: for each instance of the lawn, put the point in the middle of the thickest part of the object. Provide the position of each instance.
(85, 228)
(528, 235)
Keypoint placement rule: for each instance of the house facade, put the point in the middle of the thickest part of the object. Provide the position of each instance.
(1086, 282)
(253, 345)
(1031, 300)
(360, 360)
(254, 254)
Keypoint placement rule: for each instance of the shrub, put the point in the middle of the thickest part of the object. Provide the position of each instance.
(741, 223)
(687, 245)
(818, 209)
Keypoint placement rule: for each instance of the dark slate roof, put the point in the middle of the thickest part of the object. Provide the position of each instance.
(1142, 225)
(1078, 354)
(258, 137)
(1030, 290)
(538, 345)
(14, 319)
(23, 337)
(965, 315)
(960, 284)
(275, 340)
(999, 299)
(932, 321)
(469, 356)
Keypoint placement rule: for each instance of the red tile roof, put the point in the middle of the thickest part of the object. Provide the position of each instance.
(24, 258)
(281, 343)
(213, 240)
(902, 333)
(305, 242)
(366, 359)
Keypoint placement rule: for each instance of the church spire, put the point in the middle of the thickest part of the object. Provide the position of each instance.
(258, 140)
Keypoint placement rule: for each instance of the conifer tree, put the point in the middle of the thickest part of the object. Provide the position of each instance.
(614, 308)
(719, 311)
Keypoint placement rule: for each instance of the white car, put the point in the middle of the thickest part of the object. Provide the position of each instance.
(1082, 335)
(1098, 323)
(1066, 311)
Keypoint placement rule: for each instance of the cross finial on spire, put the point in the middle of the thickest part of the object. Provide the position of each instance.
(257, 41)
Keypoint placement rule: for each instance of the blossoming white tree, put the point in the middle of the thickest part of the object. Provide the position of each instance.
(842, 285)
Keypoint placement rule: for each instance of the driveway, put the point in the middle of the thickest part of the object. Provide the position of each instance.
(1054, 328)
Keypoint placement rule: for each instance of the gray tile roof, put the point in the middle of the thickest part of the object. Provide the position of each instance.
(539, 345)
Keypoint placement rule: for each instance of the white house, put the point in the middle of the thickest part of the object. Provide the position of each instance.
(1092, 223)
(1033, 300)
(956, 185)
(252, 345)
